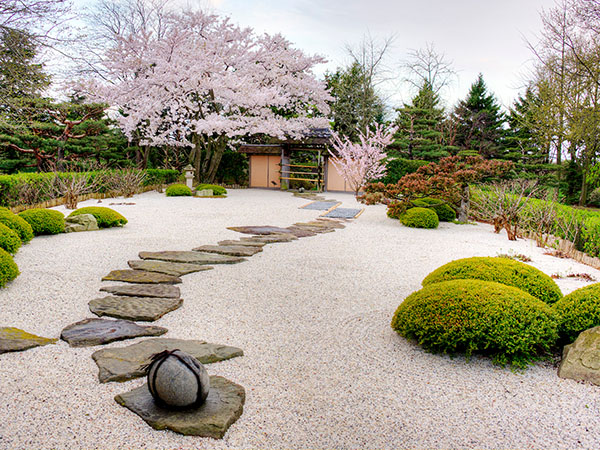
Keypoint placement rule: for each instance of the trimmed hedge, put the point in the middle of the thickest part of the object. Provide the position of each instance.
(217, 190)
(105, 217)
(178, 190)
(444, 212)
(44, 221)
(9, 240)
(577, 312)
(474, 316)
(500, 270)
(420, 218)
(17, 224)
(8, 268)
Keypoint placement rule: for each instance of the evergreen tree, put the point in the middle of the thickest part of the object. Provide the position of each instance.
(479, 122)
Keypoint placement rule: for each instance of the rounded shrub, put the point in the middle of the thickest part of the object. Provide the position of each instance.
(9, 240)
(217, 190)
(44, 221)
(105, 217)
(444, 211)
(17, 224)
(395, 209)
(474, 316)
(177, 190)
(577, 312)
(420, 218)
(501, 270)
(8, 268)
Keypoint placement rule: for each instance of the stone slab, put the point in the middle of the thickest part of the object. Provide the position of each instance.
(271, 238)
(168, 268)
(333, 223)
(94, 331)
(250, 243)
(343, 213)
(260, 230)
(141, 276)
(321, 205)
(204, 193)
(85, 222)
(16, 340)
(581, 359)
(231, 250)
(146, 309)
(144, 290)
(127, 363)
(301, 232)
(191, 257)
(223, 406)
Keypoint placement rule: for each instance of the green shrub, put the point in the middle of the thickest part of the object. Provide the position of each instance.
(44, 221)
(395, 209)
(160, 176)
(8, 269)
(9, 240)
(105, 217)
(17, 224)
(398, 167)
(217, 190)
(420, 218)
(474, 316)
(501, 270)
(444, 211)
(177, 190)
(577, 312)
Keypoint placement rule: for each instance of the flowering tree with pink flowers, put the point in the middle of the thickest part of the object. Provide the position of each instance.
(205, 82)
(363, 161)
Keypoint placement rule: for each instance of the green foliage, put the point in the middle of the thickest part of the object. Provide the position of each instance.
(444, 212)
(233, 168)
(177, 190)
(9, 240)
(217, 190)
(474, 316)
(8, 269)
(44, 221)
(160, 176)
(577, 312)
(500, 270)
(398, 167)
(395, 209)
(17, 224)
(420, 218)
(105, 217)
(594, 198)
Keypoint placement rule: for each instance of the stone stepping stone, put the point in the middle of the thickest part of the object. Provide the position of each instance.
(141, 290)
(141, 276)
(16, 340)
(251, 243)
(333, 223)
(94, 331)
(223, 406)
(271, 238)
(191, 257)
(321, 205)
(168, 268)
(343, 213)
(146, 309)
(260, 230)
(237, 250)
(300, 232)
(127, 363)
(313, 228)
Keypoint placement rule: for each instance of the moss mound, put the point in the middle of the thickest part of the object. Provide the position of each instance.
(18, 224)
(9, 240)
(44, 221)
(444, 212)
(501, 270)
(420, 218)
(474, 316)
(8, 269)
(178, 190)
(217, 190)
(105, 217)
(577, 312)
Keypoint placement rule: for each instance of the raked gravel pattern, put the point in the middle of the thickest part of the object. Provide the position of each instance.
(322, 367)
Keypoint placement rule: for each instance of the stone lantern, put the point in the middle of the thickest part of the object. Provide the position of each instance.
(189, 175)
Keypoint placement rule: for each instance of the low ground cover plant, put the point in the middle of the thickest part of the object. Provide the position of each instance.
(106, 217)
(8, 269)
(9, 240)
(17, 224)
(577, 312)
(217, 190)
(44, 221)
(420, 218)
(178, 190)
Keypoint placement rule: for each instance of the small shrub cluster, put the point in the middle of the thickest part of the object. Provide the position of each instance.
(44, 221)
(9, 240)
(395, 209)
(105, 217)
(17, 224)
(420, 218)
(8, 269)
(444, 212)
(577, 312)
(178, 190)
(217, 190)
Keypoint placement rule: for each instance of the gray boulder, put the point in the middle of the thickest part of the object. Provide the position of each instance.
(581, 359)
(82, 222)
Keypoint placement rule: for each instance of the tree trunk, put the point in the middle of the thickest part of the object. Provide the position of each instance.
(206, 156)
(465, 201)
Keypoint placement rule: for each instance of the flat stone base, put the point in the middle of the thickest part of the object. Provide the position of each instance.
(141, 276)
(90, 332)
(16, 340)
(224, 405)
(146, 309)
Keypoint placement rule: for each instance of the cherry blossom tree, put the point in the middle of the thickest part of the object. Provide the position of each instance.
(363, 161)
(205, 82)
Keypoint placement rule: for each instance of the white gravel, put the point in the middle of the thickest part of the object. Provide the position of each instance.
(322, 367)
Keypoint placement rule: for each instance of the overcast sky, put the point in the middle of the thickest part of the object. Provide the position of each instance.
(485, 36)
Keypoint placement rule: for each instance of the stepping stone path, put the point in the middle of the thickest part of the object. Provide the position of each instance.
(156, 290)
(169, 268)
(343, 213)
(223, 406)
(191, 257)
(321, 205)
(147, 309)
(231, 250)
(141, 276)
(260, 230)
(244, 243)
(16, 340)
(90, 332)
(127, 363)
(270, 238)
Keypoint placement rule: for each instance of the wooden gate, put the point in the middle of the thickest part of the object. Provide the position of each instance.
(265, 171)
(335, 182)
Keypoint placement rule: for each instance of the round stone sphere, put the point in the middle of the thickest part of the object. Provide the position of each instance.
(177, 380)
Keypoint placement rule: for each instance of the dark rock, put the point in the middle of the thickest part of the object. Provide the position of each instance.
(191, 257)
(223, 406)
(260, 230)
(146, 309)
(581, 359)
(250, 243)
(237, 250)
(271, 238)
(141, 290)
(127, 363)
(141, 276)
(169, 268)
(90, 332)
(16, 340)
